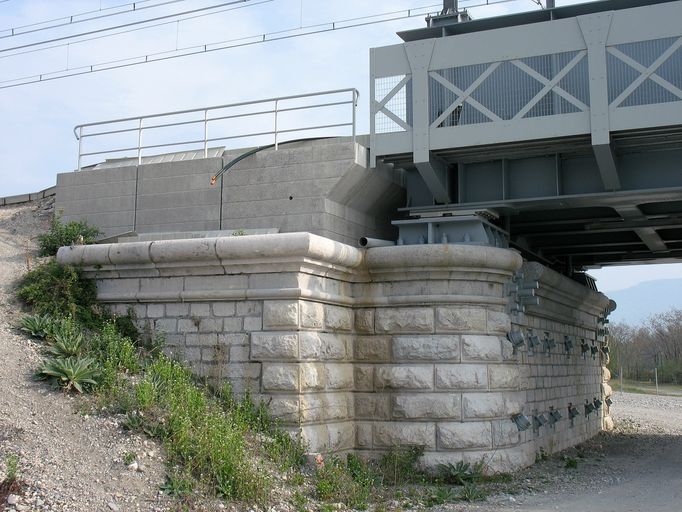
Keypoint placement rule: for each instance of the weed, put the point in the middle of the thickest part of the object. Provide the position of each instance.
(35, 325)
(461, 473)
(114, 352)
(300, 501)
(571, 463)
(399, 465)
(59, 291)
(334, 483)
(77, 373)
(471, 492)
(178, 483)
(12, 463)
(129, 458)
(61, 234)
(440, 496)
(541, 455)
(10, 484)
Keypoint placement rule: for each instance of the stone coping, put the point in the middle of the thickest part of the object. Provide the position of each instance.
(236, 251)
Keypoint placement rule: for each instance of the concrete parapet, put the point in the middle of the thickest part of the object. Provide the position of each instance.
(367, 349)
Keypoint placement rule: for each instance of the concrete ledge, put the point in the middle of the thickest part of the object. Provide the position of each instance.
(26, 198)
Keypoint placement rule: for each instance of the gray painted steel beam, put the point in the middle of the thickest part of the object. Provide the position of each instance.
(434, 173)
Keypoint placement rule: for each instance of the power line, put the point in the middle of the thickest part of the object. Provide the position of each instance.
(131, 24)
(228, 44)
(128, 31)
(132, 7)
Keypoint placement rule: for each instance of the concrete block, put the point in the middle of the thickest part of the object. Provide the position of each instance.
(396, 434)
(250, 308)
(505, 433)
(460, 319)
(186, 325)
(364, 320)
(313, 376)
(312, 314)
(372, 348)
(223, 308)
(280, 314)
(284, 408)
(200, 310)
(167, 325)
(280, 377)
(498, 322)
(481, 348)
(339, 376)
(177, 309)
(211, 325)
(426, 406)
(461, 376)
(274, 345)
(403, 320)
(234, 324)
(372, 406)
(324, 407)
(216, 283)
(252, 323)
(363, 377)
(410, 348)
(504, 376)
(491, 405)
(324, 346)
(363, 436)
(239, 354)
(459, 436)
(338, 318)
(155, 310)
(404, 377)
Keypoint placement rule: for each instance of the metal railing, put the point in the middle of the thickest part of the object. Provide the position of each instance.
(274, 107)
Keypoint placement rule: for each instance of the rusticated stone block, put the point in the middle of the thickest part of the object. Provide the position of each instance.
(328, 438)
(363, 375)
(404, 377)
(505, 433)
(481, 348)
(338, 318)
(372, 348)
(395, 433)
(606, 390)
(461, 376)
(403, 320)
(280, 314)
(462, 436)
(188, 325)
(200, 310)
(249, 308)
(177, 309)
(460, 319)
(605, 374)
(321, 407)
(312, 314)
(211, 325)
(364, 435)
(280, 377)
(155, 310)
(372, 406)
(491, 405)
(312, 376)
(364, 320)
(498, 322)
(166, 325)
(284, 408)
(503, 376)
(324, 346)
(426, 405)
(339, 376)
(274, 345)
(410, 348)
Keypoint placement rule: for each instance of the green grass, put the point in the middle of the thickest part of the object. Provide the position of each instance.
(649, 388)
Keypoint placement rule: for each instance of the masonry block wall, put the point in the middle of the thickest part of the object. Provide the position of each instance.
(362, 350)
(319, 186)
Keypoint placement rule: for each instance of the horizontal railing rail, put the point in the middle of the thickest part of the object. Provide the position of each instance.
(278, 106)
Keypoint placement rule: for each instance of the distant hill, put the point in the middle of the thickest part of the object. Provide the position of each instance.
(637, 303)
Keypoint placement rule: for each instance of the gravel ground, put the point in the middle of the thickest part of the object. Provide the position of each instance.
(68, 461)
(72, 462)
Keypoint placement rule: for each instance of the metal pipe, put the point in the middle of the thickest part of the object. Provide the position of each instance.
(368, 243)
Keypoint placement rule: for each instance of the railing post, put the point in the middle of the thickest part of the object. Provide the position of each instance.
(80, 146)
(355, 104)
(276, 142)
(206, 133)
(139, 142)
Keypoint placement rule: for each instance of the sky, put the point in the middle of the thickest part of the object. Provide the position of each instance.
(38, 119)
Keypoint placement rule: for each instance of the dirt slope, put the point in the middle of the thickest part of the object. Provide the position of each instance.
(70, 462)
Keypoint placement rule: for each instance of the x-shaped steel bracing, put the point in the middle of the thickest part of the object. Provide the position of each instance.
(549, 85)
(380, 106)
(646, 72)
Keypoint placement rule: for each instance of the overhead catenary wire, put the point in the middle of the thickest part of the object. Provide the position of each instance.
(123, 25)
(227, 44)
(72, 19)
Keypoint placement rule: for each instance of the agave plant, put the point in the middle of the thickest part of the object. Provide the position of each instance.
(66, 346)
(70, 373)
(36, 325)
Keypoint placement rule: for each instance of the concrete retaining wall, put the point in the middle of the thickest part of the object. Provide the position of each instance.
(319, 186)
(365, 349)
(25, 198)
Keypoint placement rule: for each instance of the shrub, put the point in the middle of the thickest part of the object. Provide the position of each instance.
(336, 482)
(65, 234)
(59, 291)
(77, 373)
